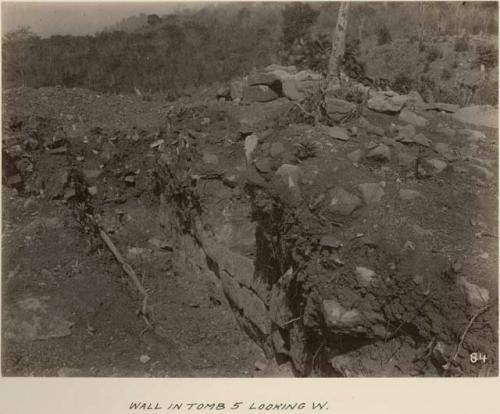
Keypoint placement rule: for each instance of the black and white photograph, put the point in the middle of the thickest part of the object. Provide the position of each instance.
(249, 189)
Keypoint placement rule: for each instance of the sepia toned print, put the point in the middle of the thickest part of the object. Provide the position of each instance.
(250, 190)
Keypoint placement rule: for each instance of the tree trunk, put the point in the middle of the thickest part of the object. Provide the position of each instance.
(360, 30)
(338, 46)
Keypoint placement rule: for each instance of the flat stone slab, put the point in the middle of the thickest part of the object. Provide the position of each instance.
(479, 115)
(337, 133)
(386, 103)
(33, 319)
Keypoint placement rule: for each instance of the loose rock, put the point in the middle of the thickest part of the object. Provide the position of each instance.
(343, 202)
(480, 115)
(251, 143)
(144, 359)
(330, 241)
(439, 106)
(354, 156)
(34, 320)
(264, 78)
(437, 165)
(412, 118)
(406, 161)
(337, 133)
(210, 158)
(406, 133)
(260, 365)
(365, 276)
(336, 316)
(264, 165)
(476, 295)
(382, 102)
(408, 195)
(276, 149)
(370, 128)
(472, 135)
(259, 93)
(445, 151)
(371, 192)
(291, 90)
(338, 109)
(380, 153)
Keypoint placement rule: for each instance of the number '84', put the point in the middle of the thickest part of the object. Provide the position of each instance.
(476, 357)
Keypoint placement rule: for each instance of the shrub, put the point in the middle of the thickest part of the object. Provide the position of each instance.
(348, 92)
(298, 18)
(461, 45)
(445, 74)
(350, 63)
(305, 150)
(426, 87)
(487, 94)
(384, 36)
(402, 84)
(487, 55)
(433, 54)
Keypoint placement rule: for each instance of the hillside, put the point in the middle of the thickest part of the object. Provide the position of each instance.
(207, 212)
(360, 249)
(175, 53)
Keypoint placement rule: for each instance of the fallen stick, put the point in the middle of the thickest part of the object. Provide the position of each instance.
(304, 111)
(130, 272)
(447, 366)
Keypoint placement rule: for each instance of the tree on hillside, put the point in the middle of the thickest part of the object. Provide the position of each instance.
(18, 47)
(298, 18)
(22, 34)
(153, 19)
(338, 46)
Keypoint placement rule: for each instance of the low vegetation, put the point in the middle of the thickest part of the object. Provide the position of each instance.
(174, 54)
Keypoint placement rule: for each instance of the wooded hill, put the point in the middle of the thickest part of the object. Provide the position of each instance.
(174, 53)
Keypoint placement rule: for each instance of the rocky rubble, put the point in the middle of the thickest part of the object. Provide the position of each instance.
(339, 259)
(312, 301)
(271, 83)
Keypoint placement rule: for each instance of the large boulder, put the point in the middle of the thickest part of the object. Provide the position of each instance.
(294, 85)
(439, 106)
(480, 115)
(291, 90)
(410, 117)
(338, 109)
(275, 68)
(370, 128)
(387, 102)
(372, 193)
(223, 92)
(286, 183)
(264, 78)
(259, 93)
(343, 202)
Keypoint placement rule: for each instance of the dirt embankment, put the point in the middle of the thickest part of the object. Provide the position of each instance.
(353, 267)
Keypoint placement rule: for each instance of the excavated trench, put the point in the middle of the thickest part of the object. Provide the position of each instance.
(301, 299)
(301, 279)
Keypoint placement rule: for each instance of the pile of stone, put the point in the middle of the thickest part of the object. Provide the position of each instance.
(273, 82)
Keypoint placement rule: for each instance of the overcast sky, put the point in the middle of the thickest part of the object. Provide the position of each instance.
(47, 19)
